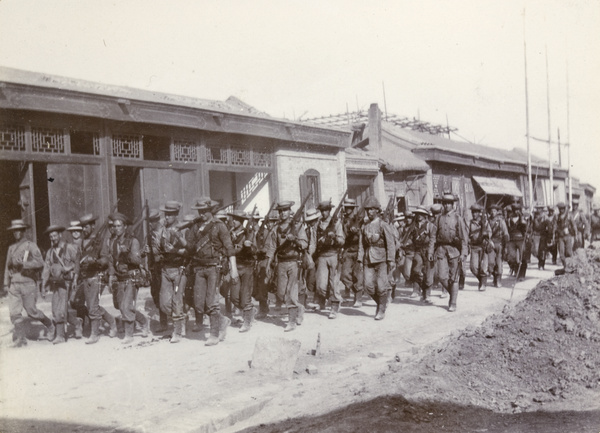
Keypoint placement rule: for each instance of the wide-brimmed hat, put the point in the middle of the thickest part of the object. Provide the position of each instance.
(118, 216)
(312, 214)
(54, 228)
(422, 211)
(87, 219)
(325, 205)
(222, 214)
(476, 208)
(74, 226)
(188, 220)
(409, 214)
(273, 216)
(205, 203)
(171, 206)
(436, 209)
(399, 216)
(17, 225)
(561, 205)
(284, 205)
(239, 214)
(349, 202)
(448, 198)
(372, 203)
(153, 215)
(495, 206)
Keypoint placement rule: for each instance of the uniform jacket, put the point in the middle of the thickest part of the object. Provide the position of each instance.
(124, 255)
(351, 228)
(329, 246)
(209, 241)
(451, 231)
(478, 232)
(277, 244)
(565, 226)
(64, 257)
(423, 237)
(377, 243)
(499, 230)
(32, 259)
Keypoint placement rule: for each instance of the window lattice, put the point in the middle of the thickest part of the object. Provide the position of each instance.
(252, 184)
(96, 144)
(185, 151)
(127, 146)
(12, 138)
(261, 158)
(240, 156)
(215, 155)
(48, 140)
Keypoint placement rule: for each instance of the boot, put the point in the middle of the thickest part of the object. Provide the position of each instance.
(60, 334)
(293, 314)
(163, 323)
(300, 315)
(215, 318)
(453, 298)
(50, 328)
(522, 271)
(177, 327)
(383, 302)
(416, 290)
(263, 309)
(335, 308)
(19, 339)
(444, 293)
(144, 323)
(78, 323)
(358, 299)
(248, 319)
(94, 337)
(199, 323)
(426, 296)
(496, 281)
(302, 299)
(184, 325)
(128, 339)
(483, 284)
(224, 323)
(112, 322)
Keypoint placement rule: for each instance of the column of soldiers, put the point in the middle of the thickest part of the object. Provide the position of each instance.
(240, 256)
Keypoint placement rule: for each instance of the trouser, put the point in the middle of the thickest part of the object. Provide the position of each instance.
(78, 301)
(155, 285)
(261, 285)
(23, 296)
(495, 260)
(125, 298)
(447, 262)
(578, 241)
(565, 248)
(536, 238)
(206, 297)
(61, 311)
(326, 276)
(376, 280)
(421, 271)
(241, 290)
(407, 269)
(287, 283)
(352, 272)
(514, 253)
(91, 289)
(479, 263)
(542, 251)
(172, 289)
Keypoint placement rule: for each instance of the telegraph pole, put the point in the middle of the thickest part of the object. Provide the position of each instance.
(551, 172)
(527, 121)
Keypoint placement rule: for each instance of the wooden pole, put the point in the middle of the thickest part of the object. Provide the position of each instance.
(527, 120)
(551, 172)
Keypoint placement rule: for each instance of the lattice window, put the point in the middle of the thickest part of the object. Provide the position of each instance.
(48, 140)
(96, 144)
(127, 146)
(185, 151)
(256, 180)
(239, 156)
(436, 185)
(262, 158)
(216, 155)
(12, 138)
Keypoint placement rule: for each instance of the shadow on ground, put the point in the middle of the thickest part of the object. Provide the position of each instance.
(396, 414)
(10, 425)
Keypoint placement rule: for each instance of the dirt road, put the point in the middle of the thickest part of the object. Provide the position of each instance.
(154, 386)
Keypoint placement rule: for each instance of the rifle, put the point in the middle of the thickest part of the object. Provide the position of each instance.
(388, 215)
(150, 260)
(95, 246)
(298, 215)
(336, 214)
(220, 208)
(262, 226)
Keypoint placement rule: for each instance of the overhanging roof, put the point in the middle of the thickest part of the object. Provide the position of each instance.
(497, 186)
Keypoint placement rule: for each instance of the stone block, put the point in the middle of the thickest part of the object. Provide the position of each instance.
(275, 356)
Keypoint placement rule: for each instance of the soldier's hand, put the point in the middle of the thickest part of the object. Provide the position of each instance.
(354, 229)
(430, 257)
(111, 281)
(290, 237)
(122, 248)
(234, 274)
(331, 235)
(247, 244)
(169, 247)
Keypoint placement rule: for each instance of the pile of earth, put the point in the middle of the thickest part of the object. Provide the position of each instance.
(544, 349)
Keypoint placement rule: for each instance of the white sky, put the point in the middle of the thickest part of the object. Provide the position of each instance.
(462, 58)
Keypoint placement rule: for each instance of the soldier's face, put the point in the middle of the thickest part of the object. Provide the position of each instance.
(237, 223)
(476, 216)
(87, 230)
(204, 214)
(76, 234)
(326, 213)
(419, 218)
(170, 218)
(18, 234)
(448, 206)
(284, 214)
(119, 227)
(54, 238)
(154, 224)
(372, 213)
(348, 210)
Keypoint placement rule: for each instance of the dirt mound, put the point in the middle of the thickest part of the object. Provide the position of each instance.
(545, 348)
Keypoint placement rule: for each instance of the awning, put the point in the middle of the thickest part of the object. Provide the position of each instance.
(493, 185)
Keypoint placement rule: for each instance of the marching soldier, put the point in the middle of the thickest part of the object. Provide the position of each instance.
(436, 210)
(595, 223)
(553, 244)
(77, 299)
(209, 245)
(287, 245)
(499, 238)
(423, 236)
(564, 230)
(261, 283)
(377, 254)
(172, 250)
(330, 239)
(244, 244)
(352, 272)
(92, 266)
(545, 231)
(582, 225)
(61, 268)
(155, 264)
(311, 219)
(409, 251)
(517, 241)
(479, 241)
(21, 272)
(124, 276)
(451, 247)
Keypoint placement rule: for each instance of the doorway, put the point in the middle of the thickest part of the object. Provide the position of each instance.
(129, 193)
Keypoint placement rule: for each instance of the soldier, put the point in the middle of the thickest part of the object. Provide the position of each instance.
(499, 240)
(77, 299)
(287, 245)
(595, 223)
(172, 250)
(352, 275)
(244, 244)
(479, 241)
(552, 244)
(409, 252)
(155, 264)
(564, 231)
(516, 254)
(582, 225)
(451, 247)
(423, 235)
(209, 245)
(92, 266)
(21, 272)
(61, 268)
(377, 254)
(311, 219)
(261, 283)
(399, 225)
(545, 231)
(124, 276)
(330, 239)
(436, 210)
